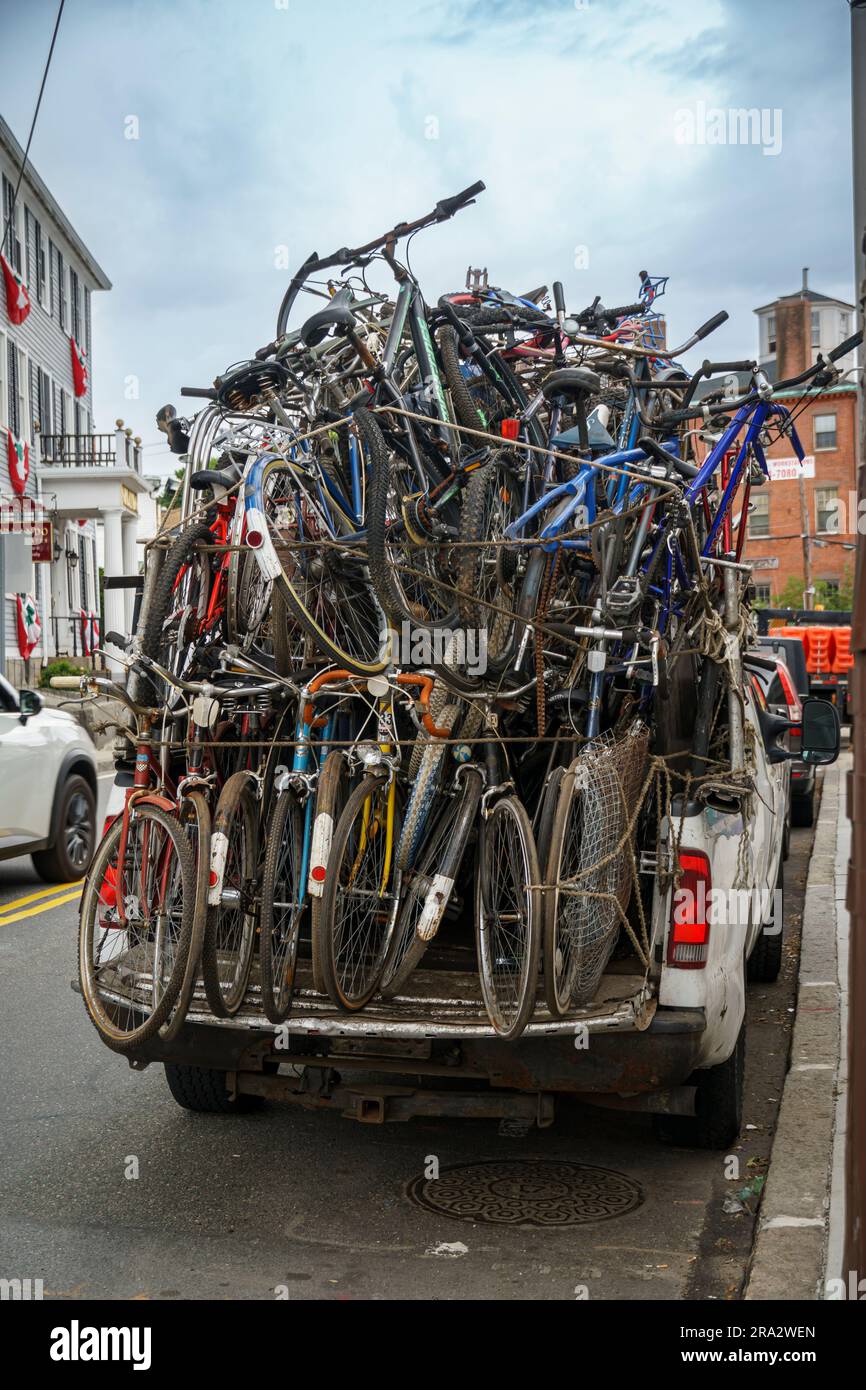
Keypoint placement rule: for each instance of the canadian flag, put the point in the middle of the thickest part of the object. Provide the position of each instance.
(89, 632)
(29, 626)
(18, 456)
(17, 298)
(79, 368)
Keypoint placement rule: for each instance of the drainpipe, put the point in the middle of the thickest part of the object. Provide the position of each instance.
(855, 1155)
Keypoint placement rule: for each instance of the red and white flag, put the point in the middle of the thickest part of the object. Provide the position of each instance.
(89, 632)
(18, 458)
(29, 626)
(79, 368)
(17, 298)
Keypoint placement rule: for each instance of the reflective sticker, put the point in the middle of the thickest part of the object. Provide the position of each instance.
(323, 833)
(434, 907)
(219, 848)
(265, 554)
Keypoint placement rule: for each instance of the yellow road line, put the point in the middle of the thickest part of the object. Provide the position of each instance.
(43, 893)
(43, 907)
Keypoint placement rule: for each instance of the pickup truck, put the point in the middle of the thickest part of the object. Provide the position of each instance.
(668, 1039)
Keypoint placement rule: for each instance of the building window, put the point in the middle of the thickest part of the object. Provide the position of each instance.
(827, 509)
(761, 593)
(3, 416)
(10, 215)
(844, 325)
(39, 256)
(825, 431)
(771, 332)
(61, 290)
(86, 320)
(12, 390)
(82, 570)
(816, 328)
(75, 302)
(759, 514)
(28, 245)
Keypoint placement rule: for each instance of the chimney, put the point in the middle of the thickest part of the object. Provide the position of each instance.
(805, 281)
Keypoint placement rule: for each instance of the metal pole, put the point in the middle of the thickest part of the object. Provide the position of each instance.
(855, 1153)
(808, 588)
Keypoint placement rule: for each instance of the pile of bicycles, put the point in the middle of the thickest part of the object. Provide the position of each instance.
(451, 596)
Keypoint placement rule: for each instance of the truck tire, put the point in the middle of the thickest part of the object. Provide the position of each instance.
(718, 1105)
(765, 962)
(203, 1089)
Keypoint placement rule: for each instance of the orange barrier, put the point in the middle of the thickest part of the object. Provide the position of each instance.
(843, 658)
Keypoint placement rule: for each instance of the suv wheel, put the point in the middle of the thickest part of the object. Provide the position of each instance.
(75, 835)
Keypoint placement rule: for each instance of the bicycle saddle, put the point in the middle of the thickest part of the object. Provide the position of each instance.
(215, 477)
(570, 381)
(337, 315)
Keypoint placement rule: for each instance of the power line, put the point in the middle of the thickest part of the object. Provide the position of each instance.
(32, 127)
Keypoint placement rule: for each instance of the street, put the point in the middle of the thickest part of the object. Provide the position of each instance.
(109, 1190)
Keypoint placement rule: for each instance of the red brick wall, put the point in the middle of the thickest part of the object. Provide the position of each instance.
(833, 467)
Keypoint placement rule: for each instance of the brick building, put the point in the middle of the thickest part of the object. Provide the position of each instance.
(802, 524)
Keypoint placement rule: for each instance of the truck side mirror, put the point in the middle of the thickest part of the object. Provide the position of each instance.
(821, 732)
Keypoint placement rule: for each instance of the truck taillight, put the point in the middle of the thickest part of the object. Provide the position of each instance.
(689, 932)
(792, 699)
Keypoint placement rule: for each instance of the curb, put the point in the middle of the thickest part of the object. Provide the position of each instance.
(790, 1252)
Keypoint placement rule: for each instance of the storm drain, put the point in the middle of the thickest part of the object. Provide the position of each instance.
(527, 1192)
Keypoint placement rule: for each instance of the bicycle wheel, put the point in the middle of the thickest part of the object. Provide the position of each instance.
(332, 793)
(508, 917)
(359, 904)
(486, 568)
(135, 925)
(282, 907)
(322, 576)
(426, 784)
(178, 602)
(195, 819)
(427, 891)
(230, 933)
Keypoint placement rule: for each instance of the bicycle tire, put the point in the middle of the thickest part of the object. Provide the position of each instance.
(234, 939)
(332, 793)
(277, 971)
(351, 985)
(197, 801)
(509, 1006)
(479, 575)
(425, 788)
(100, 888)
(153, 629)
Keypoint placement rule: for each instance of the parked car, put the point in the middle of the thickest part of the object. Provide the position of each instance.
(793, 681)
(48, 777)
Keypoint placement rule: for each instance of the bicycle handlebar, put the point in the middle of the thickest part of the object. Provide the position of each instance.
(445, 208)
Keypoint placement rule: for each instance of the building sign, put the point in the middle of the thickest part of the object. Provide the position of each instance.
(42, 544)
(764, 562)
(20, 515)
(786, 470)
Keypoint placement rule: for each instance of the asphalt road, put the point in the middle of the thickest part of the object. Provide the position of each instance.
(315, 1205)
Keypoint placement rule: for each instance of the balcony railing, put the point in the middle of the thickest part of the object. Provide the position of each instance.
(115, 450)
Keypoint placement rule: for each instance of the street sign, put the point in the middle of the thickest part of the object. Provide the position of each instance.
(788, 469)
(42, 547)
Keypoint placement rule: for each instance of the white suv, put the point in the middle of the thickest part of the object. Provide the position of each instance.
(47, 786)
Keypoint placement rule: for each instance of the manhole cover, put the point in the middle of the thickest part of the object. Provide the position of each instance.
(526, 1192)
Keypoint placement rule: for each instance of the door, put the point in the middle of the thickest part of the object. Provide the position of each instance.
(26, 774)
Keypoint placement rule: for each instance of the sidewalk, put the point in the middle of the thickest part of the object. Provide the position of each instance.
(798, 1244)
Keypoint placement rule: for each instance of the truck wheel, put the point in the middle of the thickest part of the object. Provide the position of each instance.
(765, 962)
(203, 1089)
(718, 1106)
(803, 809)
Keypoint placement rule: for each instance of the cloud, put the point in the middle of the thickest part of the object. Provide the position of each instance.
(311, 125)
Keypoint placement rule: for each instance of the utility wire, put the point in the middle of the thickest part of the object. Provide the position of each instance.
(11, 213)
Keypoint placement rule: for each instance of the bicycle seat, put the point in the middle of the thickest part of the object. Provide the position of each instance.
(571, 381)
(337, 315)
(215, 477)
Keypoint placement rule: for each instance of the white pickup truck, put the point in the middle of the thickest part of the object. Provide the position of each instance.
(668, 1038)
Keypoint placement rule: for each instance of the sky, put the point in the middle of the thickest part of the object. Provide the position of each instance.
(266, 129)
